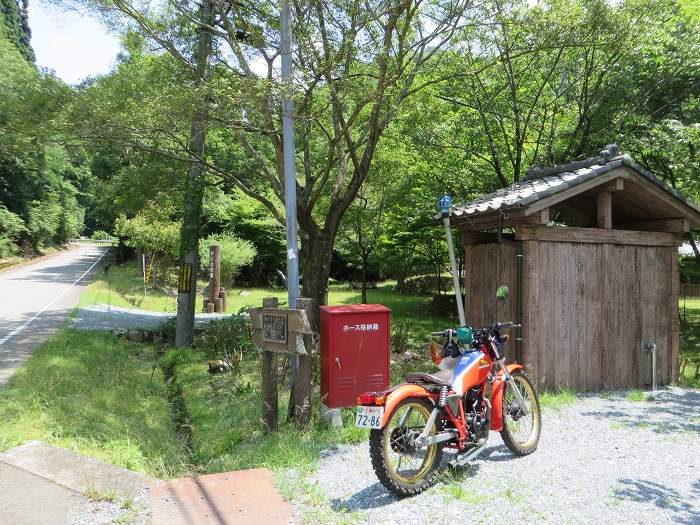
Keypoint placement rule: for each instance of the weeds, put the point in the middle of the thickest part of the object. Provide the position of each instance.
(637, 395)
(557, 399)
(94, 493)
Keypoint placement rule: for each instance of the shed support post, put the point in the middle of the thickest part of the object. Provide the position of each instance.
(605, 210)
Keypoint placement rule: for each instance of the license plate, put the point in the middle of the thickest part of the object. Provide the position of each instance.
(369, 417)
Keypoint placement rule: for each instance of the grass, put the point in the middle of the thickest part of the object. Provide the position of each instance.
(122, 286)
(225, 423)
(95, 494)
(96, 394)
(690, 338)
(557, 399)
(637, 395)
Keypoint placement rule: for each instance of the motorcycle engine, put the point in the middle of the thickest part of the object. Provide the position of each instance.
(475, 412)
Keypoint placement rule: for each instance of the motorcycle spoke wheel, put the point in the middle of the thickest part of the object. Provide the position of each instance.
(521, 432)
(408, 462)
(403, 467)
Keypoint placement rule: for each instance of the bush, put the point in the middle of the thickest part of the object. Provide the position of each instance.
(224, 338)
(229, 340)
(149, 234)
(422, 284)
(44, 220)
(11, 228)
(235, 254)
(101, 235)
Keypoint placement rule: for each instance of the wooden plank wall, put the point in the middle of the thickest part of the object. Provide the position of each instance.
(486, 267)
(587, 309)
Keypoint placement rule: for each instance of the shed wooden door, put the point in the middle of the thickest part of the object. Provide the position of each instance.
(588, 309)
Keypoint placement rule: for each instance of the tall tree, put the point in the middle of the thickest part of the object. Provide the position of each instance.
(14, 23)
(194, 187)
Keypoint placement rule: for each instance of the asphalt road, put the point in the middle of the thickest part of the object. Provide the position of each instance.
(36, 298)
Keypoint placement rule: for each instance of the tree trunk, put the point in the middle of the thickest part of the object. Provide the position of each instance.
(694, 245)
(299, 408)
(364, 280)
(192, 217)
(315, 259)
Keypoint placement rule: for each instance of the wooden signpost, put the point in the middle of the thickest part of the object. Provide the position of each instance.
(276, 330)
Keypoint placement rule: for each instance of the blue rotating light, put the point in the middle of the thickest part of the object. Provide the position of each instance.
(445, 204)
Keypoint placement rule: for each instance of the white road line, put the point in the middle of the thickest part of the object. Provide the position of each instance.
(64, 292)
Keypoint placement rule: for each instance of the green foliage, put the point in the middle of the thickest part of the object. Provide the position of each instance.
(150, 231)
(227, 339)
(11, 228)
(423, 284)
(689, 270)
(94, 393)
(235, 254)
(44, 219)
(100, 235)
(14, 24)
(40, 182)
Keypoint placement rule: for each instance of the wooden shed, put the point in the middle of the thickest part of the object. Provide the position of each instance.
(589, 251)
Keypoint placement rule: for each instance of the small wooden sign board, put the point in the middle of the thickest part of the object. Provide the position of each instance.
(279, 329)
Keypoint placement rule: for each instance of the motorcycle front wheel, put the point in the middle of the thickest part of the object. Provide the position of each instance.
(521, 432)
(401, 466)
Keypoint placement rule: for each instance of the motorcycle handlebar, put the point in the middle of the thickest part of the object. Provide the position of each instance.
(438, 334)
(509, 324)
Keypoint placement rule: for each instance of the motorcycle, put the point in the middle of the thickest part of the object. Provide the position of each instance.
(473, 392)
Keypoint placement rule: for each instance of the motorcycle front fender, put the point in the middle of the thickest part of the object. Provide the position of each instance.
(399, 394)
(497, 398)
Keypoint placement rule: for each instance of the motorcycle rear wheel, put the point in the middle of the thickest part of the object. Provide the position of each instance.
(521, 433)
(391, 446)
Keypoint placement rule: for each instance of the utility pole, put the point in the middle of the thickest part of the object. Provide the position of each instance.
(290, 177)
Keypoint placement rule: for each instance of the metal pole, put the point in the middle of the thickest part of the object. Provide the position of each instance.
(290, 178)
(455, 273)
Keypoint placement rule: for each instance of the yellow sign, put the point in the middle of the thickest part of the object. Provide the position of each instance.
(185, 282)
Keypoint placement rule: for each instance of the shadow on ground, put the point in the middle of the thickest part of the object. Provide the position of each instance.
(641, 490)
(672, 411)
(376, 496)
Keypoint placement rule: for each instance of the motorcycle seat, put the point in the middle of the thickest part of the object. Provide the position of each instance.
(442, 378)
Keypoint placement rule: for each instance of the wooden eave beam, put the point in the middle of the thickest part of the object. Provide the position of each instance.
(617, 184)
(490, 222)
(678, 225)
(583, 187)
(528, 232)
(683, 209)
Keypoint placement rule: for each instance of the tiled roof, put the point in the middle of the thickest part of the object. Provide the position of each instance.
(547, 181)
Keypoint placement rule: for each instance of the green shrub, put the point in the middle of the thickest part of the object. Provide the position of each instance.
(11, 228)
(44, 220)
(235, 254)
(423, 284)
(225, 339)
(101, 235)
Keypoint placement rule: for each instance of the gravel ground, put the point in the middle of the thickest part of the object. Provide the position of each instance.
(104, 317)
(603, 459)
(132, 512)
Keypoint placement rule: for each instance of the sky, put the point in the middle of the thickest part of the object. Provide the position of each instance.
(74, 45)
